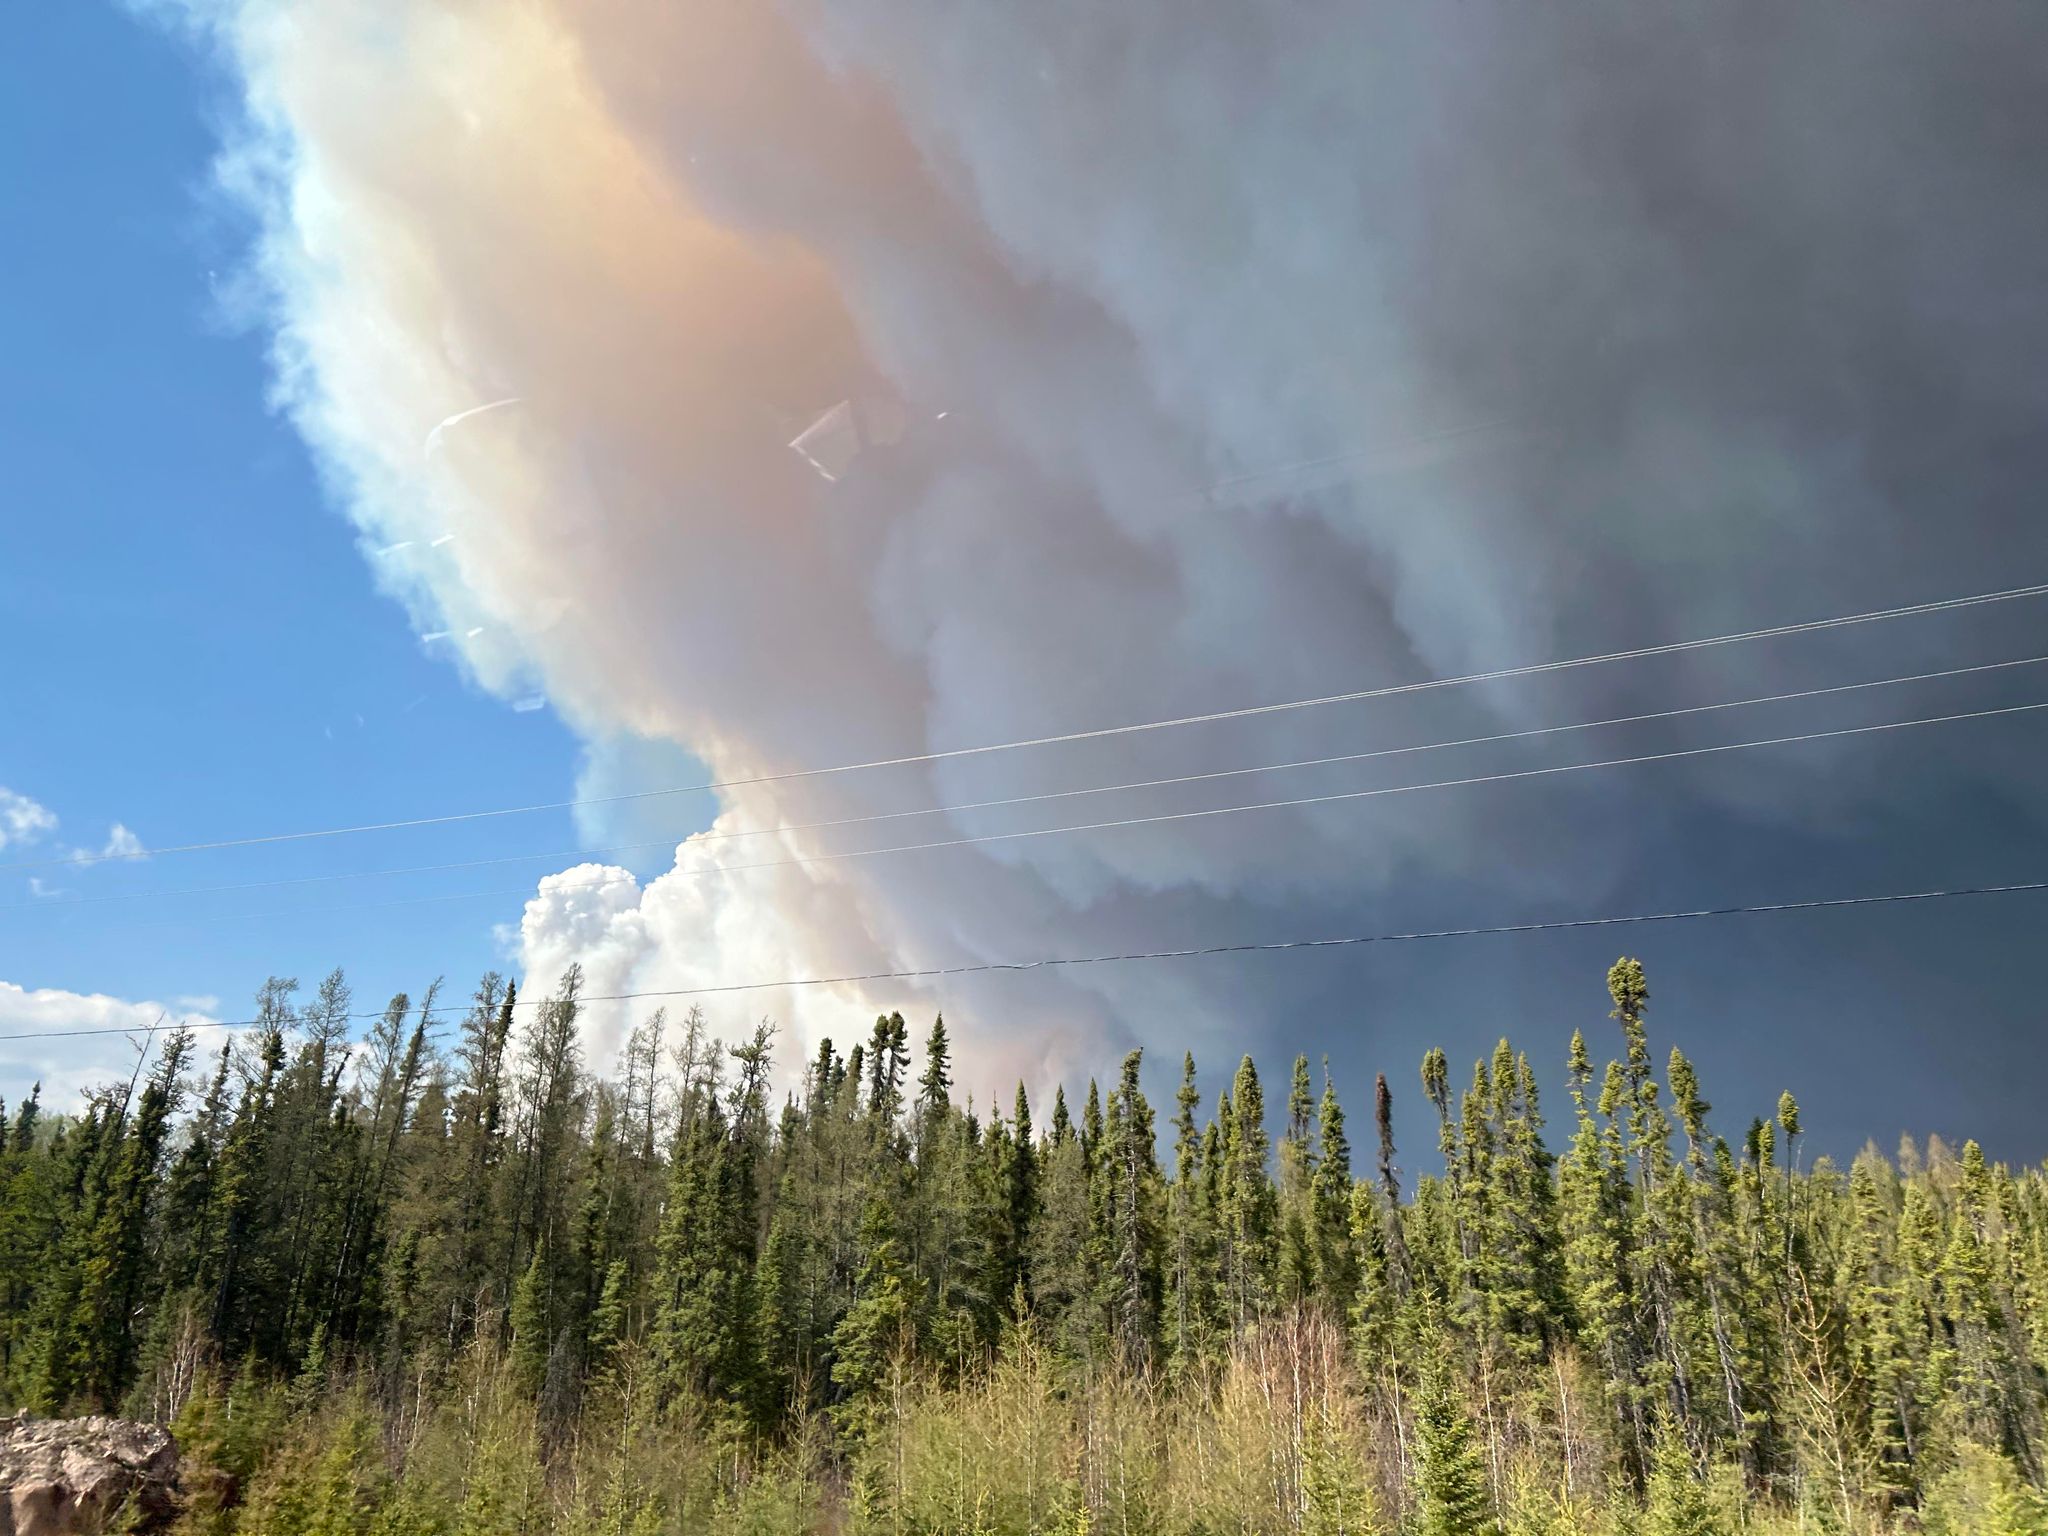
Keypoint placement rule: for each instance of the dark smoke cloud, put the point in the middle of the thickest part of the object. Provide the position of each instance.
(1503, 331)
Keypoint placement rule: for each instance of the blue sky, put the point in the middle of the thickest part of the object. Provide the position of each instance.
(195, 644)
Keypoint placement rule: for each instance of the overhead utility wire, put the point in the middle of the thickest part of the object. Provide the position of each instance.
(1349, 455)
(1136, 821)
(1344, 941)
(1391, 690)
(49, 902)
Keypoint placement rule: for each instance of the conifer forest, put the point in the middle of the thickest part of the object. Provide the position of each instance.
(439, 1277)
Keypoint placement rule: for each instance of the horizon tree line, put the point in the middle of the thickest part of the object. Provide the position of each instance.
(1653, 1319)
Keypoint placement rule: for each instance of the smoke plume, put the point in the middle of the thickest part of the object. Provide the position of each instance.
(1228, 354)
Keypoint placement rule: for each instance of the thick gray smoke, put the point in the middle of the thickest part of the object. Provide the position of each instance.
(1246, 352)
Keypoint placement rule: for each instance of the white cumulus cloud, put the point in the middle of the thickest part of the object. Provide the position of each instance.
(123, 844)
(68, 1068)
(23, 820)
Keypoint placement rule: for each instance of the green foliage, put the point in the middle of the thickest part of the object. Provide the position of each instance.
(874, 1334)
(1451, 1495)
(224, 1432)
(1337, 1499)
(1679, 1505)
(532, 1336)
(382, 1290)
(1984, 1495)
(331, 1481)
(1335, 1271)
(1249, 1208)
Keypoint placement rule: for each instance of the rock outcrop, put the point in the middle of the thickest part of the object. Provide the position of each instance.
(77, 1477)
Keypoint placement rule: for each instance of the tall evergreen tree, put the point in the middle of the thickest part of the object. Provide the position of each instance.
(1330, 1189)
(1012, 1272)
(1451, 1496)
(875, 1330)
(704, 1322)
(1398, 1269)
(1191, 1233)
(1678, 1503)
(935, 1084)
(1249, 1210)
(1133, 1194)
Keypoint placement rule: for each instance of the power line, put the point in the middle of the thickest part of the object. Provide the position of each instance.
(1345, 941)
(48, 902)
(1349, 455)
(1170, 816)
(1391, 690)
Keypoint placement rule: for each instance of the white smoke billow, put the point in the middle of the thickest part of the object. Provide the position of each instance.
(1250, 352)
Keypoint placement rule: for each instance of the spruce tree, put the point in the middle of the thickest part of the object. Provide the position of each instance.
(1062, 1239)
(1594, 1197)
(1131, 1179)
(704, 1322)
(1398, 1267)
(935, 1084)
(1451, 1496)
(238, 1252)
(532, 1325)
(116, 1238)
(888, 1062)
(477, 1134)
(1190, 1240)
(1020, 1204)
(1710, 1206)
(1091, 1128)
(1336, 1497)
(875, 1329)
(786, 1330)
(1297, 1145)
(1330, 1188)
(1249, 1211)
(1679, 1505)
(1662, 1249)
